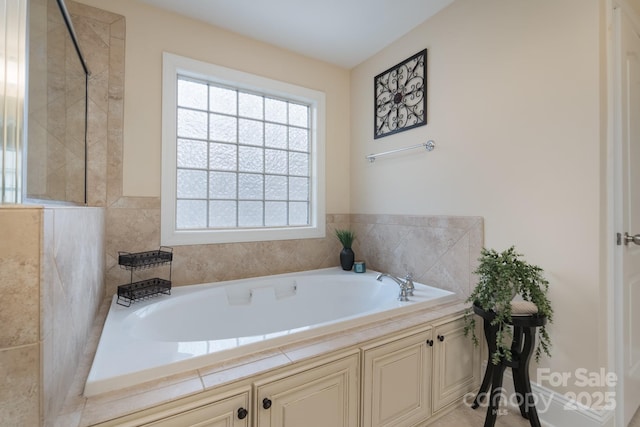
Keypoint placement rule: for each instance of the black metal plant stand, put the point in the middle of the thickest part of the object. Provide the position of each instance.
(134, 291)
(524, 337)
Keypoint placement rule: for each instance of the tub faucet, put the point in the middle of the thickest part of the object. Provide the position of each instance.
(408, 280)
(402, 283)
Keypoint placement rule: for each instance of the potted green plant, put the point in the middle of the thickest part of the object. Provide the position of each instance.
(502, 276)
(347, 257)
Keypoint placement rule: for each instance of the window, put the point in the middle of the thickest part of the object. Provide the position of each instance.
(243, 156)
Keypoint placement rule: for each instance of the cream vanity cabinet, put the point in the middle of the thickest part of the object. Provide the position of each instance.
(231, 412)
(456, 363)
(325, 395)
(406, 379)
(228, 410)
(396, 381)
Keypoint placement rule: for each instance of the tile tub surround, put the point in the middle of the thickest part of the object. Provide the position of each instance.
(51, 281)
(441, 251)
(71, 289)
(20, 234)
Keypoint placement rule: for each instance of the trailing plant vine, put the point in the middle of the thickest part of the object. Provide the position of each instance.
(501, 276)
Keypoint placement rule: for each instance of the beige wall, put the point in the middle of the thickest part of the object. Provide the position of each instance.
(150, 31)
(514, 108)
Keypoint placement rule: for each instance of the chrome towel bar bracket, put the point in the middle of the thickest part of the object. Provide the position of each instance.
(429, 146)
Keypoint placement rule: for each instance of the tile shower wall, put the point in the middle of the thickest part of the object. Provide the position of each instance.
(55, 159)
(101, 35)
(51, 282)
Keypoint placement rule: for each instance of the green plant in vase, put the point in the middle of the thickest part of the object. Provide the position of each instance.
(347, 257)
(502, 276)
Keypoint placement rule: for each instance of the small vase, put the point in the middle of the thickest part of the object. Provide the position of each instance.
(347, 258)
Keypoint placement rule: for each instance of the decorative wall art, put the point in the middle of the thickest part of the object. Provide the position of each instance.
(401, 96)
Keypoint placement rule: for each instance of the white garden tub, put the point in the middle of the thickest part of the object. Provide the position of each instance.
(201, 324)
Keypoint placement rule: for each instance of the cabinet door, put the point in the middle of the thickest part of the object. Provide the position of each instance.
(397, 382)
(223, 413)
(324, 396)
(456, 368)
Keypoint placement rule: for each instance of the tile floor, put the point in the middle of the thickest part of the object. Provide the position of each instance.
(467, 417)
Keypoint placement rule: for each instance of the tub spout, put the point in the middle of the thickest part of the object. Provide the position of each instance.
(404, 285)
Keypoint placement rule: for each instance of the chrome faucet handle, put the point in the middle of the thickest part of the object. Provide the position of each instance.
(408, 280)
(403, 294)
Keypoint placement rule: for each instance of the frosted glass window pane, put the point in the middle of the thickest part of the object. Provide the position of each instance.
(275, 110)
(298, 213)
(275, 135)
(251, 159)
(250, 106)
(192, 124)
(243, 160)
(250, 186)
(275, 187)
(223, 128)
(222, 100)
(250, 214)
(222, 213)
(275, 214)
(192, 94)
(223, 157)
(298, 139)
(192, 184)
(275, 161)
(298, 189)
(192, 154)
(299, 115)
(298, 164)
(222, 185)
(251, 132)
(191, 214)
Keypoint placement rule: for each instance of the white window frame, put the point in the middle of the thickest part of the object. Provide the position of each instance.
(174, 65)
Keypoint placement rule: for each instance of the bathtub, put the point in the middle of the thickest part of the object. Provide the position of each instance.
(199, 325)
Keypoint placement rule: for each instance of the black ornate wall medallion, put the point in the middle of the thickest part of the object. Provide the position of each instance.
(401, 96)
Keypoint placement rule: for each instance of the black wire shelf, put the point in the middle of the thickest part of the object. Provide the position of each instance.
(144, 289)
(148, 259)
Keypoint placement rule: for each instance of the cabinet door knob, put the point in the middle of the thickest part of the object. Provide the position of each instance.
(430, 343)
(242, 413)
(440, 338)
(266, 403)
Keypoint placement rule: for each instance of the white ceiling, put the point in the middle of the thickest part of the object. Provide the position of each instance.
(342, 32)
